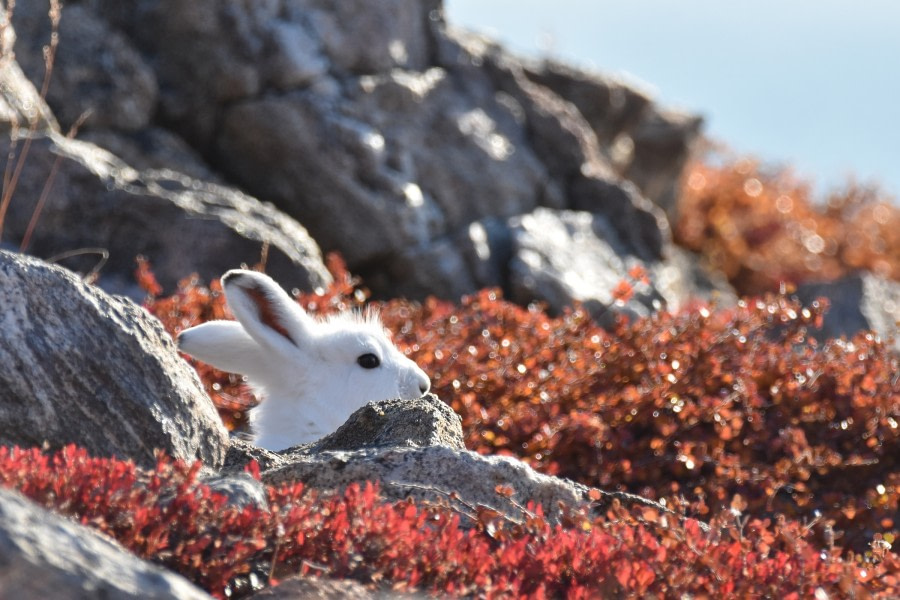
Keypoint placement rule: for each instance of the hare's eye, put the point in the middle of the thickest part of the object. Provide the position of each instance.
(368, 361)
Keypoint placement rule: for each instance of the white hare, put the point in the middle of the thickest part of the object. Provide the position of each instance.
(310, 374)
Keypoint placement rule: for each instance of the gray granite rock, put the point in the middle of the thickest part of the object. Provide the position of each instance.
(383, 131)
(96, 70)
(644, 143)
(320, 588)
(425, 421)
(859, 301)
(464, 479)
(43, 555)
(560, 257)
(181, 225)
(84, 367)
(241, 489)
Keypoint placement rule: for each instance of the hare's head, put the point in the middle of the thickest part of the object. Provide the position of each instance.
(311, 374)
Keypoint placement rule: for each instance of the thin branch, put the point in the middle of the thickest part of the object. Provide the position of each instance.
(48, 185)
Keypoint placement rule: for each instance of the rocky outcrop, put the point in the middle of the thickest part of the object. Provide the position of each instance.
(425, 421)
(644, 143)
(182, 225)
(100, 204)
(84, 367)
(97, 77)
(43, 555)
(319, 588)
(362, 118)
(432, 474)
(413, 449)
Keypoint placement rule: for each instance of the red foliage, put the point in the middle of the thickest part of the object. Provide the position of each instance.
(167, 517)
(695, 408)
(761, 227)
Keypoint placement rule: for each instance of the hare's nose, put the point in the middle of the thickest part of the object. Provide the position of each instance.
(424, 383)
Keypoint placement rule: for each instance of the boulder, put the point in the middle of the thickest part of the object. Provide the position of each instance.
(562, 257)
(610, 104)
(96, 72)
(582, 175)
(84, 367)
(432, 474)
(240, 489)
(644, 143)
(43, 555)
(861, 301)
(320, 588)
(405, 153)
(461, 478)
(362, 118)
(153, 149)
(415, 449)
(426, 421)
(181, 225)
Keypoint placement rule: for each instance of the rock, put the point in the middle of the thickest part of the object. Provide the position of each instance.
(405, 153)
(646, 144)
(181, 225)
(419, 131)
(319, 588)
(425, 421)
(661, 145)
(431, 474)
(584, 177)
(241, 452)
(401, 445)
(415, 449)
(43, 555)
(861, 301)
(241, 490)
(560, 257)
(461, 478)
(610, 105)
(87, 368)
(96, 70)
(153, 148)
(373, 36)
(389, 135)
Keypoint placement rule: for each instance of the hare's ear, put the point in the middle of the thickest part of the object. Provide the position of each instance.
(223, 344)
(268, 314)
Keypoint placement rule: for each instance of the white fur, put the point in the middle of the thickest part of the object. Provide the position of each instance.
(305, 370)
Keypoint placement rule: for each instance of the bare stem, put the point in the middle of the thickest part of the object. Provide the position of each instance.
(55, 13)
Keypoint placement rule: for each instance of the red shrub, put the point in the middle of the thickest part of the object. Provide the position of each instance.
(695, 408)
(761, 227)
(166, 516)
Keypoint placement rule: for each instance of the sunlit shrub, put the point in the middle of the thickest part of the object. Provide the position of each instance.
(166, 516)
(761, 227)
(699, 408)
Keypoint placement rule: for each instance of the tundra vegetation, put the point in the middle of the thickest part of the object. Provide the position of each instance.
(737, 417)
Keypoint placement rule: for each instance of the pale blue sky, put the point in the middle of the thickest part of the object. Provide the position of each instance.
(815, 83)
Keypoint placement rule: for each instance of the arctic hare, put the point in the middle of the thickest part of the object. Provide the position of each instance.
(310, 374)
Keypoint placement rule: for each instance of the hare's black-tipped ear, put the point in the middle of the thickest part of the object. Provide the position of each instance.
(267, 313)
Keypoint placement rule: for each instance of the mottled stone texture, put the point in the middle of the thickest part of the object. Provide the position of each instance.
(43, 555)
(81, 366)
(180, 224)
(425, 421)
